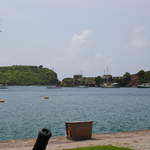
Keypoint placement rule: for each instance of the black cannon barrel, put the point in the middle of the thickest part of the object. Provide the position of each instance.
(42, 139)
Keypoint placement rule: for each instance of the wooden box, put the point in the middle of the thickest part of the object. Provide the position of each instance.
(80, 130)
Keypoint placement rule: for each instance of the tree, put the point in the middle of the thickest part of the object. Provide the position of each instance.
(127, 76)
(98, 80)
(68, 82)
(141, 73)
(40, 66)
(124, 81)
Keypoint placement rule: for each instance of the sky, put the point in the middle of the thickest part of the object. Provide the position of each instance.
(76, 36)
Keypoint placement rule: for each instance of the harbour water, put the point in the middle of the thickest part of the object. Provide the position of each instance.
(25, 110)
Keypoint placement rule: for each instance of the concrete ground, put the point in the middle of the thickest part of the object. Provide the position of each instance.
(138, 140)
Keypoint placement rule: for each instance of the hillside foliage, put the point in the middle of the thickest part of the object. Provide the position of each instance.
(27, 75)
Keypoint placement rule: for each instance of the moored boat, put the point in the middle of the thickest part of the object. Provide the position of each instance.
(82, 86)
(2, 86)
(2, 100)
(53, 87)
(111, 85)
(144, 85)
(46, 97)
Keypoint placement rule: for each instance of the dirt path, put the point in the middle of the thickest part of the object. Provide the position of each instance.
(138, 140)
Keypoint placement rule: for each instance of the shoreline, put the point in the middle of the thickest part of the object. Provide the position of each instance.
(138, 140)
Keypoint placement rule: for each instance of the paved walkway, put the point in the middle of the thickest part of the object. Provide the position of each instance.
(138, 140)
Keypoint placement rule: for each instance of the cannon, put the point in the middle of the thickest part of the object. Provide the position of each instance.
(42, 140)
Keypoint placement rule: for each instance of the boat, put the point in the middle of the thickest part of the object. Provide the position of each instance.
(46, 97)
(144, 85)
(108, 81)
(53, 87)
(115, 85)
(2, 86)
(111, 85)
(2, 100)
(82, 86)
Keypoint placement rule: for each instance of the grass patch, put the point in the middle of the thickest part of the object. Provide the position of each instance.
(109, 147)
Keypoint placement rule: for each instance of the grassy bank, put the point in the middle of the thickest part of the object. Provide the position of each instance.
(101, 148)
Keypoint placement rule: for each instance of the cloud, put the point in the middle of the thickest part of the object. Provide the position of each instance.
(82, 36)
(138, 30)
(138, 40)
(138, 43)
(85, 53)
(82, 43)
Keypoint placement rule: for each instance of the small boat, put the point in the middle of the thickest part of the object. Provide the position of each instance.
(82, 86)
(2, 100)
(112, 85)
(53, 87)
(46, 97)
(2, 86)
(115, 85)
(144, 85)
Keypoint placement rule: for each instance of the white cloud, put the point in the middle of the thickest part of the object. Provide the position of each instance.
(138, 40)
(85, 53)
(138, 43)
(82, 36)
(81, 43)
(139, 30)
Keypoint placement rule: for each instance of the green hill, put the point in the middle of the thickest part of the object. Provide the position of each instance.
(27, 75)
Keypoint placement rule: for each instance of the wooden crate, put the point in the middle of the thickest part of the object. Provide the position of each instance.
(80, 130)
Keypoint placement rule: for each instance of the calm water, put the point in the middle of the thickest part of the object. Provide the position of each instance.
(112, 110)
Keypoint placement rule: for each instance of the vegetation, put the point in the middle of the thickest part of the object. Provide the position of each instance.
(144, 76)
(67, 82)
(27, 75)
(109, 147)
(99, 80)
(133, 80)
(127, 80)
(72, 82)
(38, 75)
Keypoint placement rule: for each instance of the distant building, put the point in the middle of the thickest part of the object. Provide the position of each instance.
(77, 76)
(116, 78)
(107, 78)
